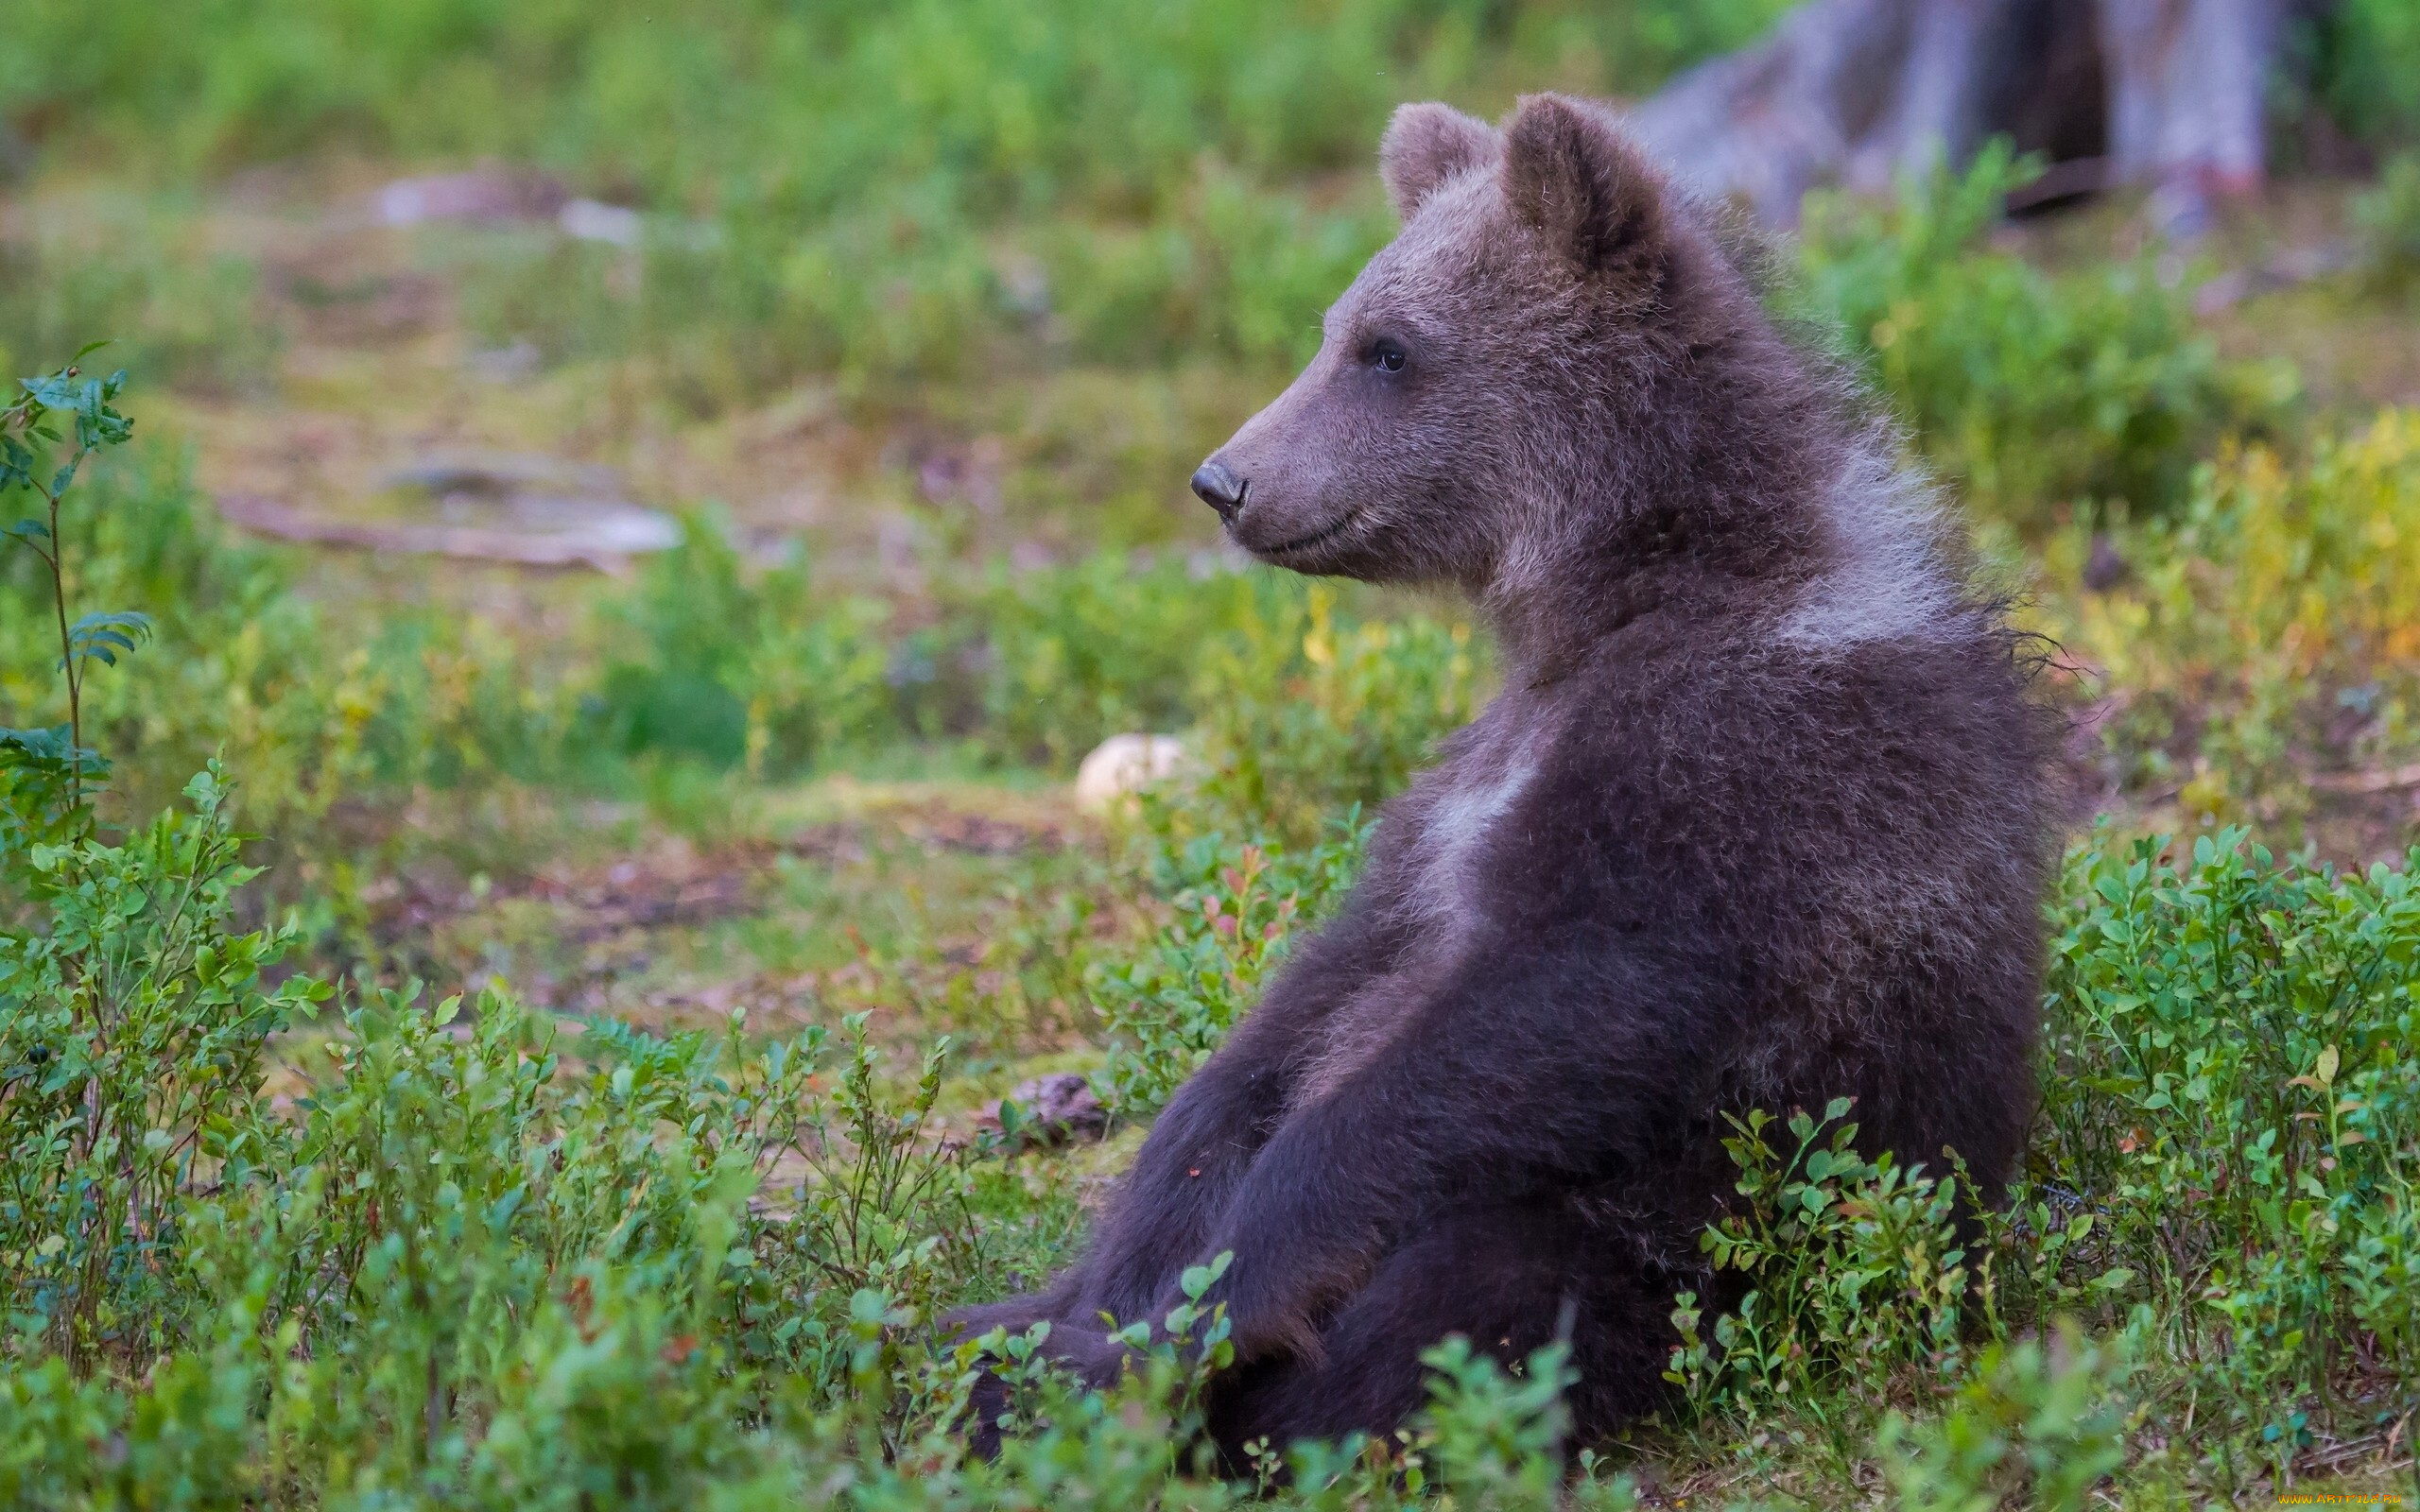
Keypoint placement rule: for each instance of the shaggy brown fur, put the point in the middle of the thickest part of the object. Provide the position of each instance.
(1758, 819)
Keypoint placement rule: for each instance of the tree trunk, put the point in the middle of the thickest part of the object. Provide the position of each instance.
(2165, 92)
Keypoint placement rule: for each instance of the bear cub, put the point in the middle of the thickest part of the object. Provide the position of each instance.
(1759, 818)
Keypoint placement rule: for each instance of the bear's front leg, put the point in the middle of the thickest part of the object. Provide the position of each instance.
(1197, 1155)
(1492, 1088)
(1188, 1169)
(1203, 1144)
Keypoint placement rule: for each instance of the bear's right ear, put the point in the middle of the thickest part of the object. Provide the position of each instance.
(1570, 175)
(1427, 144)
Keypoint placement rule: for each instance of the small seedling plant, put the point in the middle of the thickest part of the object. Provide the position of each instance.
(52, 427)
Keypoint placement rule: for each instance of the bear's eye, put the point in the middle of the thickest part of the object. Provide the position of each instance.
(1387, 356)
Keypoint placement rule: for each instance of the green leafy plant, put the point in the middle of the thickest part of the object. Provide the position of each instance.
(735, 667)
(134, 1028)
(1855, 1279)
(1496, 1438)
(2042, 1422)
(47, 434)
(133, 1019)
(1306, 711)
(1236, 908)
(2232, 1077)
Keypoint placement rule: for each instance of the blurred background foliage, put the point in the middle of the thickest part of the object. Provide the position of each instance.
(881, 189)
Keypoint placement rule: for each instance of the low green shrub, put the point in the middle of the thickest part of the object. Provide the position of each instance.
(2026, 389)
(731, 666)
(1306, 713)
(1061, 658)
(2366, 58)
(2232, 1113)
(136, 1026)
(2222, 1176)
(726, 662)
(2041, 1423)
(1237, 905)
(2387, 221)
(1856, 1281)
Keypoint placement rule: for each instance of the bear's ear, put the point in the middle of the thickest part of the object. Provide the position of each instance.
(1569, 176)
(1427, 144)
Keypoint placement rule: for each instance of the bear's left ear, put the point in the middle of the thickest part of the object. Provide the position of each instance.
(1570, 176)
(1424, 146)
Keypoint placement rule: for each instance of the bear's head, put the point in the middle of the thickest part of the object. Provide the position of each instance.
(1500, 375)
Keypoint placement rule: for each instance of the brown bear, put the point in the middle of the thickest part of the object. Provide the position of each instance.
(1759, 818)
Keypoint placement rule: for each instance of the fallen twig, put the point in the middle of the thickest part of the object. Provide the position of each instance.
(606, 543)
(2386, 781)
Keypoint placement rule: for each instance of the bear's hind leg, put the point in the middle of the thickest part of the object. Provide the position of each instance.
(1502, 1277)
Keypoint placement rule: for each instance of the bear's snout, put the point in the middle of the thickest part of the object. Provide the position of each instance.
(1219, 488)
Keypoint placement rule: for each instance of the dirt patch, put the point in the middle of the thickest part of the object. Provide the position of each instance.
(674, 934)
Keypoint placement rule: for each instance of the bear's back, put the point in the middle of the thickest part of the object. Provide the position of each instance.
(1837, 845)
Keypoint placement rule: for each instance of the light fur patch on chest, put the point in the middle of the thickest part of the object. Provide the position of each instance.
(1439, 887)
(1455, 828)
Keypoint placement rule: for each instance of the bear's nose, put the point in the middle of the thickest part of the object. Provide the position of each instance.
(1219, 488)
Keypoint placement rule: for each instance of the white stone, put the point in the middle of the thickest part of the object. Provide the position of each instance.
(1126, 764)
(591, 220)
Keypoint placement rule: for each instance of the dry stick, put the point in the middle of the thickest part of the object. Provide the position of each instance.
(2385, 780)
(469, 542)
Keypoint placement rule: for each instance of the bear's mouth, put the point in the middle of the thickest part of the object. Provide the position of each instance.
(1321, 535)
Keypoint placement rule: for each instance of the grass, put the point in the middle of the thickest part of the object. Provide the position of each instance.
(587, 1105)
